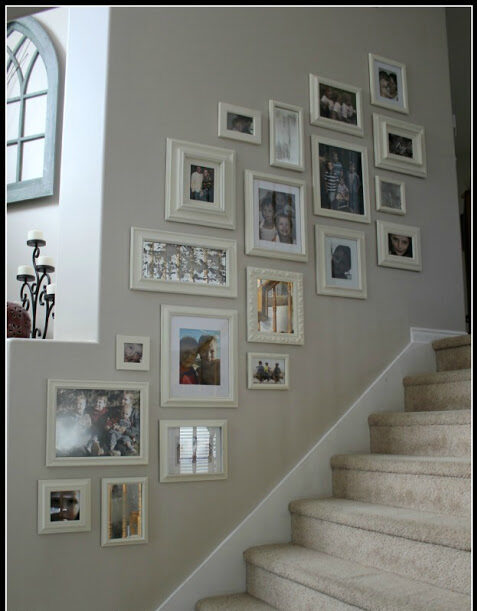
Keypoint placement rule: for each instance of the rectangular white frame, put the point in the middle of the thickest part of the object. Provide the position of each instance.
(45, 487)
(383, 158)
(316, 119)
(402, 188)
(273, 105)
(385, 259)
(250, 247)
(133, 539)
(271, 356)
(81, 461)
(167, 398)
(376, 100)
(164, 476)
(138, 282)
(224, 132)
(322, 288)
(178, 206)
(315, 156)
(253, 334)
(132, 339)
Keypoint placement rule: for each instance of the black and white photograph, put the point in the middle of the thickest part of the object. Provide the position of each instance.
(399, 146)
(123, 511)
(64, 506)
(399, 246)
(388, 83)
(390, 195)
(286, 136)
(239, 123)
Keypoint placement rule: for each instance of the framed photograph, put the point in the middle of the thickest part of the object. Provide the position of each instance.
(268, 371)
(388, 83)
(182, 263)
(287, 148)
(198, 361)
(340, 262)
(275, 213)
(132, 352)
(200, 184)
(340, 179)
(390, 195)
(335, 105)
(64, 506)
(96, 423)
(239, 123)
(192, 450)
(123, 511)
(399, 146)
(399, 246)
(275, 306)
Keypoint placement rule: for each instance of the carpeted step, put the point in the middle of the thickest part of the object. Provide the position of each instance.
(421, 545)
(295, 578)
(232, 602)
(446, 433)
(438, 484)
(443, 390)
(453, 353)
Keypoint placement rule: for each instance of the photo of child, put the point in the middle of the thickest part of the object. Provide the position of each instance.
(341, 179)
(133, 353)
(337, 104)
(277, 216)
(199, 357)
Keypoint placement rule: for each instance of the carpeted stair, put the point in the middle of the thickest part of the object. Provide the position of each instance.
(396, 534)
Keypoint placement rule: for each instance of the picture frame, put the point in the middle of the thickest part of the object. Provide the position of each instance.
(91, 422)
(281, 202)
(124, 511)
(240, 123)
(193, 450)
(200, 184)
(262, 376)
(399, 246)
(182, 263)
(64, 506)
(388, 83)
(399, 146)
(390, 195)
(340, 262)
(198, 360)
(287, 148)
(275, 306)
(132, 352)
(336, 105)
(340, 179)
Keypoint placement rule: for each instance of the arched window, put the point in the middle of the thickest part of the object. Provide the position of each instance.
(32, 95)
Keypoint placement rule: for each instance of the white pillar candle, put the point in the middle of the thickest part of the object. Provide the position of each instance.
(51, 289)
(45, 261)
(25, 270)
(35, 234)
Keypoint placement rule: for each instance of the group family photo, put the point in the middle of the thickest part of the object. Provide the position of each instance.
(337, 104)
(341, 179)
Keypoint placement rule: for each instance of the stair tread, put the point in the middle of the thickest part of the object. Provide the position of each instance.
(352, 583)
(447, 417)
(451, 342)
(232, 602)
(438, 377)
(446, 466)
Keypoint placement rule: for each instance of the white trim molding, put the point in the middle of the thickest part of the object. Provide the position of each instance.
(426, 336)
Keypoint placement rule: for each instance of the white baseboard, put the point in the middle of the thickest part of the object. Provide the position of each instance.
(426, 336)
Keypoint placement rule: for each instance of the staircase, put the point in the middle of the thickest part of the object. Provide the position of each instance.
(396, 533)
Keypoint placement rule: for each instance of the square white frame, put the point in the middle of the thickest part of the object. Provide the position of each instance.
(132, 339)
(132, 539)
(164, 426)
(45, 488)
(380, 207)
(167, 397)
(82, 461)
(315, 156)
(252, 385)
(138, 282)
(383, 158)
(377, 100)
(253, 334)
(178, 206)
(316, 119)
(385, 259)
(273, 105)
(224, 132)
(322, 288)
(250, 247)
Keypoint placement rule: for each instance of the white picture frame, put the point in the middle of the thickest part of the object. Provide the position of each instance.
(151, 268)
(64, 506)
(268, 380)
(240, 123)
(390, 195)
(193, 450)
(130, 505)
(287, 147)
(388, 83)
(132, 352)
(285, 199)
(390, 255)
(186, 163)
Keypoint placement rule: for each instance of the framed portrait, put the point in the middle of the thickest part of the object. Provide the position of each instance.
(96, 423)
(390, 195)
(287, 149)
(335, 105)
(275, 306)
(200, 184)
(268, 371)
(182, 263)
(275, 213)
(239, 123)
(192, 450)
(399, 146)
(399, 246)
(132, 352)
(388, 83)
(340, 179)
(64, 506)
(198, 360)
(340, 262)
(124, 512)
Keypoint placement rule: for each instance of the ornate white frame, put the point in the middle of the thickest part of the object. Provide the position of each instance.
(132, 539)
(374, 84)
(224, 132)
(132, 339)
(300, 166)
(45, 487)
(271, 356)
(385, 259)
(402, 188)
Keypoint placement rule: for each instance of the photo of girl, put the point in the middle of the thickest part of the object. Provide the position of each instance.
(277, 216)
(400, 245)
(199, 357)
